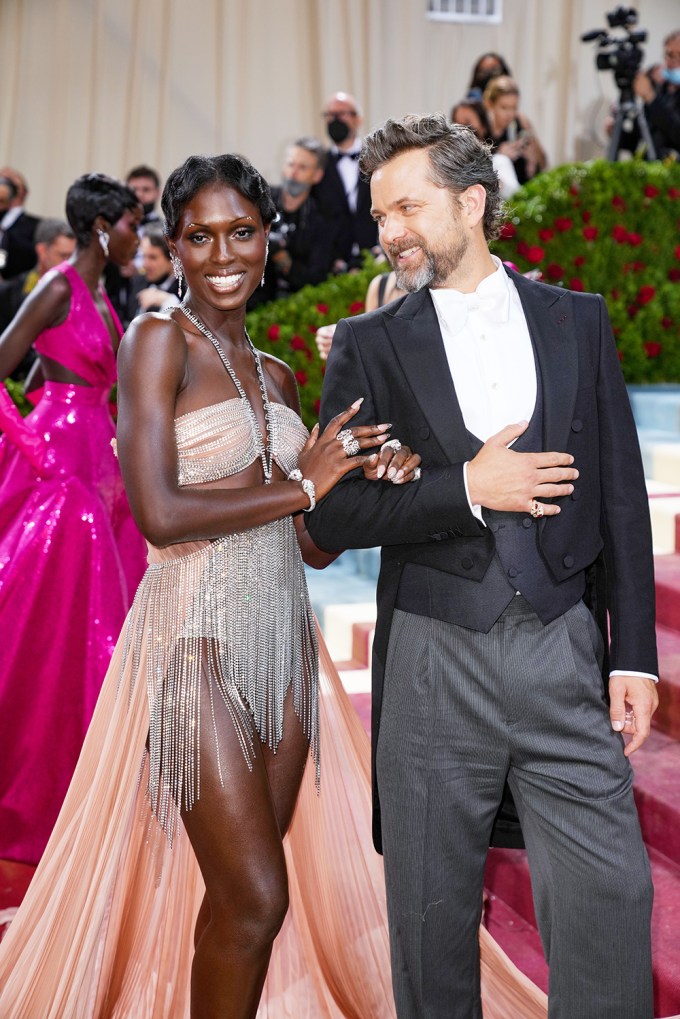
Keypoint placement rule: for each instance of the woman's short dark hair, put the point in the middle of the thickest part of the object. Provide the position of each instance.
(198, 171)
(95, 194)
(458, 159)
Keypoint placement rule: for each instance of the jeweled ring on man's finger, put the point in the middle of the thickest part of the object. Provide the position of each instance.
(349, 443)
(535, 509)
(391, 444)
(416, 474)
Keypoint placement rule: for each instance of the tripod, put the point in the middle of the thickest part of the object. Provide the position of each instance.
(629, 111)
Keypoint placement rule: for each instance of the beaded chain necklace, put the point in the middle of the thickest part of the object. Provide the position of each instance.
(265, 452)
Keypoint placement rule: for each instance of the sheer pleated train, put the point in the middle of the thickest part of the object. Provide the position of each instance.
(106, 928)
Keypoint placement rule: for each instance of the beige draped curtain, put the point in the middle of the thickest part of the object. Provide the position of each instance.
(105, 84)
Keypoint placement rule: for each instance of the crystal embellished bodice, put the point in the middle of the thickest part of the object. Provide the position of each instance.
(218, 441)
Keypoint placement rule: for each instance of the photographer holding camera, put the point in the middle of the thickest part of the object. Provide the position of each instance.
(301, 240)
(659, 90)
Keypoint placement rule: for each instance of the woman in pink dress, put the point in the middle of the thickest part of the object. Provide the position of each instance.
(70, 554)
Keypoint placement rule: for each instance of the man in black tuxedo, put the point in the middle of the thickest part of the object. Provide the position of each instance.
(17, 227)
(344, 199)
(487, 660)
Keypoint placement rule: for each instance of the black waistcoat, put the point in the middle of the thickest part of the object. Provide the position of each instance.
(517, 565)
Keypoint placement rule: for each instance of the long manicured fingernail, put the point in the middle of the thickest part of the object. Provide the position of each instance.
(358, 403)
(381, 470)
(617, 725)
(372, 459)
(392, 473)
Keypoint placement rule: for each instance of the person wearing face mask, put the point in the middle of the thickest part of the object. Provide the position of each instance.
(301, 240)
(121, 282)
(488, 66)
(343, 197)
(659, 90)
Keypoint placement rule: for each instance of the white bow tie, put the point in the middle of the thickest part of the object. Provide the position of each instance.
(457, 306)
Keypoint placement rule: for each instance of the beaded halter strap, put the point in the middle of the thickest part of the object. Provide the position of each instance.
(266, 452)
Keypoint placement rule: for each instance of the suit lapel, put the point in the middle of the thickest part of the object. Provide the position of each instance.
(414, 331)
(550, 320)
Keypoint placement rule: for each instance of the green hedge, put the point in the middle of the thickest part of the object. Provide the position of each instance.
(609, 228)
(286, 328)
(612, 229)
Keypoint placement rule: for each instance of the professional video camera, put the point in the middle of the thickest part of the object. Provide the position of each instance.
(623, 55)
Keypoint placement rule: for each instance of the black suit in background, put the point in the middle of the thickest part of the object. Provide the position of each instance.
(354, 231)
(395, 359)
(18, 242)
(307, 236)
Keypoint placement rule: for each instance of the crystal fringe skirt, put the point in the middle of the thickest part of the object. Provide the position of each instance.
(233, 613)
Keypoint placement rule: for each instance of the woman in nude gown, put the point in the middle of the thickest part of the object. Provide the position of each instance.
(172, 833)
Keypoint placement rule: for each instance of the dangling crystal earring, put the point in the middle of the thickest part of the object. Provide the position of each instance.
(104, 241)
(179, 273)
(266, 256)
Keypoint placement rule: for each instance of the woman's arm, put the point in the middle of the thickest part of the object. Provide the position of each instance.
(152, 371)
(45, 307)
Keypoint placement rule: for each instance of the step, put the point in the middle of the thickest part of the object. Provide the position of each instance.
(507, 876)
(665, 462)
(667, 716)
(657, 793)
(664, 512)
(348, 629)
(656, 407)
(339, 583)
(667, 578)
(518, 939)
(661, 456)
(14, 880)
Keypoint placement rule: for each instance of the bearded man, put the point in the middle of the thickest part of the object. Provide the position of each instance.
(487, 667)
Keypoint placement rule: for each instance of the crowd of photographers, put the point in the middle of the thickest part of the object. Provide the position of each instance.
(324, 221)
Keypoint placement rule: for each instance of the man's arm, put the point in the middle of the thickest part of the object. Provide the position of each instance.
(363, 514)
(628, 551)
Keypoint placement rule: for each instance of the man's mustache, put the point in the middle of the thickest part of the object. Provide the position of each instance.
(398, 246)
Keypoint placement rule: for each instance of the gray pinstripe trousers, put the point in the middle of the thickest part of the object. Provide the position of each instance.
(461, 711)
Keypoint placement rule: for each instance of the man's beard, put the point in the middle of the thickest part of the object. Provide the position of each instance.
(435, 267)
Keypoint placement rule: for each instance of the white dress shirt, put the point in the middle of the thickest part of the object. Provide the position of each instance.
(491, 360)
(348, 171)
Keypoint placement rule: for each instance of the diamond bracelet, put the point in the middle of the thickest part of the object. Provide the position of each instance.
(307, 488)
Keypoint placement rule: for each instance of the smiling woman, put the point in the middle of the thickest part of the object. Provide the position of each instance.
(213, 691)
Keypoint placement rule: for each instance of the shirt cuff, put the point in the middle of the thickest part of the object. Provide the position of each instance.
(642, 675)
(475, 510)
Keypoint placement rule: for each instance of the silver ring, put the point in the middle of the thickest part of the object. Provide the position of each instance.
(417, 474)
(349, 443)
(391, 444)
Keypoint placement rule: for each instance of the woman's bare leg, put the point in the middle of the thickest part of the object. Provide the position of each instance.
(236, 832)
(286, 767)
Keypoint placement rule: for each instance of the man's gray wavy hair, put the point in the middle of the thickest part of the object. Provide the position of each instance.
(458, 159)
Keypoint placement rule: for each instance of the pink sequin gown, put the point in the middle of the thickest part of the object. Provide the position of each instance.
(70, 560)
